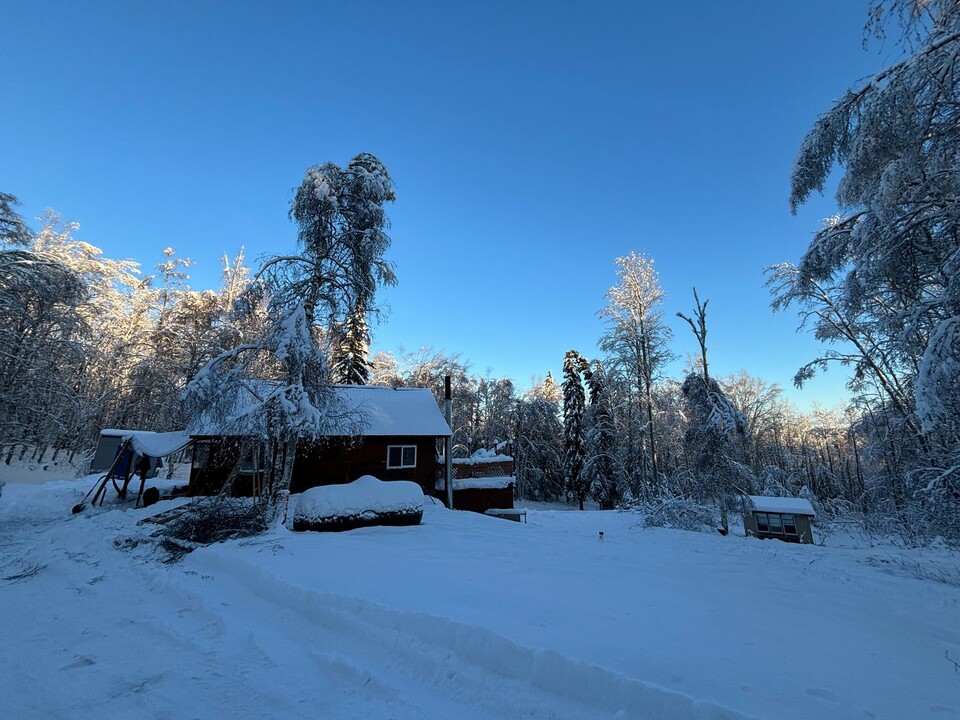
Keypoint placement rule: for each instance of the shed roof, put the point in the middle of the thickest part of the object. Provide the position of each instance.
(789, 505)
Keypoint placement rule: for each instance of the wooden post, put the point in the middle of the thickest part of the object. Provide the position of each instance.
(448, 444)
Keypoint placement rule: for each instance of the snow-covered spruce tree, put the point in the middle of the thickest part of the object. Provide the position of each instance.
(350, 346)
(600, 469)
(549, 390)
(574, 449)
(882, 278)
(636, 344)
(13, 230)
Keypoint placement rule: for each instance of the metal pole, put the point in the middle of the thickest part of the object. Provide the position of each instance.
(448, 444)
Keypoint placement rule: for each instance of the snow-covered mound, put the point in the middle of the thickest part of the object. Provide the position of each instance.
(364, 502)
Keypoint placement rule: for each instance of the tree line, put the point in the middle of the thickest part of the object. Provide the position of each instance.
(89, 342)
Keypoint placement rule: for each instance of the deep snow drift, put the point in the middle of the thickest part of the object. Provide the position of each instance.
(464, 616)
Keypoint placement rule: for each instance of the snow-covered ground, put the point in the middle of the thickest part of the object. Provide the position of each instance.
(464, 616)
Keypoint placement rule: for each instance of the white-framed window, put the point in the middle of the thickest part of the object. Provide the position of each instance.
(789, 525)
(401, 456)
(776, 523)
(762, 524)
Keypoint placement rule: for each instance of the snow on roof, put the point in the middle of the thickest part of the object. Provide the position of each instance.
(395, 411)
(384, 411)
(150, 443)
(482, 456)
(789, 505)
(498, 482)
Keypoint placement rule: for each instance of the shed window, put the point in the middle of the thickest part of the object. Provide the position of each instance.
(401, 456)
(776, 523)
(789, 525)
(762, 525)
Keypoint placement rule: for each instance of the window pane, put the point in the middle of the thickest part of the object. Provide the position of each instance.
(761, 522)
(201, 455)
(394, 456)
(410, 456)
(775, 525)
(789, 525)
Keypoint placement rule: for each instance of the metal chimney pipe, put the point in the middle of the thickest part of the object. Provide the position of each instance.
(448, 445)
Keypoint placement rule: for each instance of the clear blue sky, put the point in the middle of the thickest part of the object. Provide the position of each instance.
(531, 144)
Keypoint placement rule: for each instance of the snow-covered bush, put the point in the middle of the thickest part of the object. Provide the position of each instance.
(679, 513)
(364, 502)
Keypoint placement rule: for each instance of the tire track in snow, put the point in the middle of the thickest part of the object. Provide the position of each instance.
(445, 668)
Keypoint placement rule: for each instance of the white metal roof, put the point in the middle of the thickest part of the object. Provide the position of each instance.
(383, 411)
(395, 411)
(788, 505)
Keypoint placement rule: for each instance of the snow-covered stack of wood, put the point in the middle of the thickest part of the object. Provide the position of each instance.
(364, 502)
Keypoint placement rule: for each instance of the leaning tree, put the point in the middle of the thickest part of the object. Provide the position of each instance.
(880, 281)
(278, 388)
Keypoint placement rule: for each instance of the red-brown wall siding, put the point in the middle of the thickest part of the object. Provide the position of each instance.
(336, 462)
(483, 499)
(330, 463)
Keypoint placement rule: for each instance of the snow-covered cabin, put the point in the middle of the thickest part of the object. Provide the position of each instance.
(397, 440)
(783, 518)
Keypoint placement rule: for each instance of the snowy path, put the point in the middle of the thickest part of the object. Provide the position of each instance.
(424, 666)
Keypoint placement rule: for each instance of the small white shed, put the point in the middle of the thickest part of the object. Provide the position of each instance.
(783, 518)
